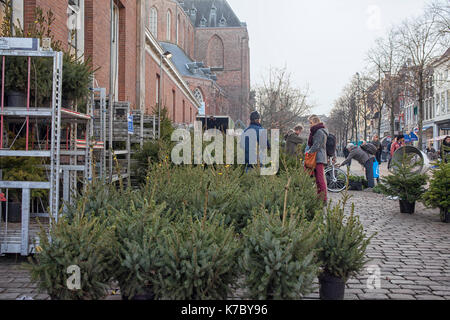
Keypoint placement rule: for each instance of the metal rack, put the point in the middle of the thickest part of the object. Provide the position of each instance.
(74, 163)
(9, 240)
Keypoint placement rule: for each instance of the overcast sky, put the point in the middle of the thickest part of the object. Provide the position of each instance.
(322, 42)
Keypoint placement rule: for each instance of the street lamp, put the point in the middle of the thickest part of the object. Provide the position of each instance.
(166, 55)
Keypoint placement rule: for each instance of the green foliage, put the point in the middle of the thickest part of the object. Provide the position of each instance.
(84, 243)
(23, 169)
(438, 194)
(404, 183)
(138, 232)
(95, 201)
(231, 193)
(154, 151)
(199, 260)
(343, 243)
(377, 189)
(77, 73)
(279, 260)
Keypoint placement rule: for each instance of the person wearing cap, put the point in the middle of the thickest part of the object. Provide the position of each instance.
(255, 124)
(365, 159)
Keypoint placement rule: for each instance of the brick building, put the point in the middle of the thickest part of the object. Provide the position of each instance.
(139, 69)
(212, 51)
(209, 66)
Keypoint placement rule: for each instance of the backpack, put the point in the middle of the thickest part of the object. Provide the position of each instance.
(369, 148)
(331, 145)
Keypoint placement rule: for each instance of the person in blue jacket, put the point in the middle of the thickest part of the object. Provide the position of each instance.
(250, 150)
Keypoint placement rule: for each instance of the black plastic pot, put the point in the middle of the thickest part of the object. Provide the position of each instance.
(331, 288)
(445, 215)
(356, 186)
(16, 99)
(14, 212)
(407, 207)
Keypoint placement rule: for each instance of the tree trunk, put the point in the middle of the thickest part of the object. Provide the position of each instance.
(392, 119)
(379, 122)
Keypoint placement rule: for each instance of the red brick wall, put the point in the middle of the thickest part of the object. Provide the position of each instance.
(215, 101)
(235, 79)
(185, 28)
(59, 9)
(167, 87)
(127, 51)
(97, 38)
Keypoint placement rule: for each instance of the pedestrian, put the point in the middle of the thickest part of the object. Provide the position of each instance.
(250, 149)
(293, 141)
(317, 142)
(400, 142)
(445, 150)
(389, 151)
(365, 159)
(376, 142)
(346, 153)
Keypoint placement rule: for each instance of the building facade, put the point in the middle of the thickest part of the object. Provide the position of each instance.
(207, 71)
(212, 51)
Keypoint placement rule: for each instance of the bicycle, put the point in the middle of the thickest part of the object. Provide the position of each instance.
(337, 179)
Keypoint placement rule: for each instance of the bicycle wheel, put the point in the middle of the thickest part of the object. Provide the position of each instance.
(336, 180)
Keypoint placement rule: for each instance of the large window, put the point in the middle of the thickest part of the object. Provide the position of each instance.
(154, 21)
(169, 26)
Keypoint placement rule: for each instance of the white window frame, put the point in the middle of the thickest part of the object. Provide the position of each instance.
(153, 21)
(169, 25)
(75, 18)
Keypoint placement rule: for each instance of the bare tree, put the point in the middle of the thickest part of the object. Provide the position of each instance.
(386, 59)
(421, 41)
(280, 103)
(441, 9)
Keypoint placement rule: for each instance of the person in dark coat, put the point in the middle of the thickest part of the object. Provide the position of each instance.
(346, 153)
(365, 159)
(293, 141)
(445, 150)
(251, 150)
(376, 142)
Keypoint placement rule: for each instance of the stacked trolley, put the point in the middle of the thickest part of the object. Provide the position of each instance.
(20, 237)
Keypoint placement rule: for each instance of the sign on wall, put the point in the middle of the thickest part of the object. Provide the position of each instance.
(130, 124)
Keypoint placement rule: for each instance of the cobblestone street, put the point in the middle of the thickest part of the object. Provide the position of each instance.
(411, 251)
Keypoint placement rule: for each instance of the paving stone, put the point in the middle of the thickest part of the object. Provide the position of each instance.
(429, 297)
(401, 296)
(402, 291)
(369, 296)
(9, 296)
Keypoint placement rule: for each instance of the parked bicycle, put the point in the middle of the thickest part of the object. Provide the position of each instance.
(337, 179)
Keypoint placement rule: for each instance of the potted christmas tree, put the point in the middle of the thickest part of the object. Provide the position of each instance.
(342, 250)
(438, 195)
(405, 183)
(21, 169)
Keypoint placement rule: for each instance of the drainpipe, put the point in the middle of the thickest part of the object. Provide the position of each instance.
(111, 85)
